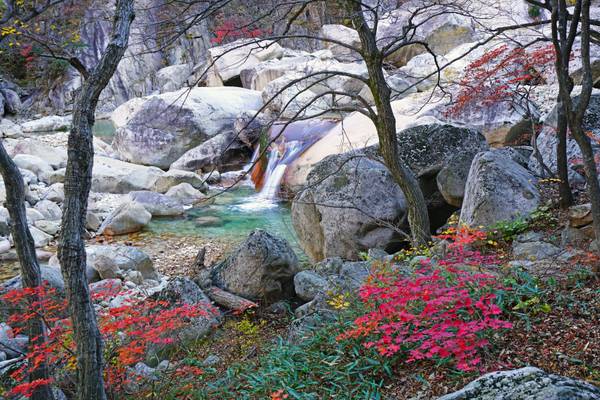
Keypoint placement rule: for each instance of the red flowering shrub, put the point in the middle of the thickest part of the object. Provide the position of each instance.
(500, 75)
(440, 312)
(129, 332)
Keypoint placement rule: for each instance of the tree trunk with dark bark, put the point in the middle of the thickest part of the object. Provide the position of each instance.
(78, 178)
(577, 115)
(385, 123)
(565, 29)
(566, 195)
(30, 269)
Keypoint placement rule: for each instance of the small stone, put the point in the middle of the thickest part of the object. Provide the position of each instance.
(55, 193)
(49, 227)
(211, 360)
(580, 215)
(208, 220)
(309, 284)
(186, 194)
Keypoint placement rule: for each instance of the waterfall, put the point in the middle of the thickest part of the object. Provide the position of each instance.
(276, 168)
(288, 142)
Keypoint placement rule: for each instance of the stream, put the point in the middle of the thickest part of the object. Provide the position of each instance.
(229, 219)
(233, 215)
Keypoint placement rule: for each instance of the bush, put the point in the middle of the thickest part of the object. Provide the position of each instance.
(129, 332)
(442, 312)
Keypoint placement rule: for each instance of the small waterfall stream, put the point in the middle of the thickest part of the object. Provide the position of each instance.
(287, 143)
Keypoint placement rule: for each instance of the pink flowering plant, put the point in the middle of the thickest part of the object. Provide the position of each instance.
(444, 311)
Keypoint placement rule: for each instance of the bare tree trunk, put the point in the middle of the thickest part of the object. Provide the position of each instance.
(78, 178)
(576, 117)
(566, 195)
(30, 269)
(418, 217)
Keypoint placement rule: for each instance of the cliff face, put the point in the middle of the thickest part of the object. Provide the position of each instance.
(155, 44)
(151, 49)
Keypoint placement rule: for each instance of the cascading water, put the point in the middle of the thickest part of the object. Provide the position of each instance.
(287, 143)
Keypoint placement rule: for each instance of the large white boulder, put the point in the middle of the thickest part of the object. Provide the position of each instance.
(34, 164)
(9, 129)
(174, 177)
(55, 156)
(226, 62)
(129, 217)
(261, 268)
(173, 77)
(336, 36)
(349, 205)
(356, 131)
(498, 189)
(48, 124)
(157, 130)
(115, 176)
(159, 205)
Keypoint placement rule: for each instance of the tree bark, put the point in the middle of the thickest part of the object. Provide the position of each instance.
(30, 269)
(385, 122)
(78, 178)
(576, 117)
(566, 195)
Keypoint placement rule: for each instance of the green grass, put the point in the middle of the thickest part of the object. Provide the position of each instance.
(318, 368)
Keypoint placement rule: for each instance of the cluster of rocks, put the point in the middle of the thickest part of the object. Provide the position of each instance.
(124, 196)
(10, 102)
(351, 203)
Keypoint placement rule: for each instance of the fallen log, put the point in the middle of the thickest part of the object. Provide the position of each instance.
(229, 300)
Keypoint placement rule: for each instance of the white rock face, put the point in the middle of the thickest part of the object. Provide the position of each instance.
(114, 176)
(128, 218)
(227, 61)
(342, 34)
(157, 130)
(136, 73)
(9, 129)
(498, 189)
(48, 124)
(173, 77)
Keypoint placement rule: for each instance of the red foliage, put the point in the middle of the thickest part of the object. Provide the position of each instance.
(128, 331)
(27, 53)
(497, 75)
(279, 395)
(441, 312)
(236, 28)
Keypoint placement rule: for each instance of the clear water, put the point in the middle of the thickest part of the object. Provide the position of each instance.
(229, 219)
(104, 130)
(232, 216)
